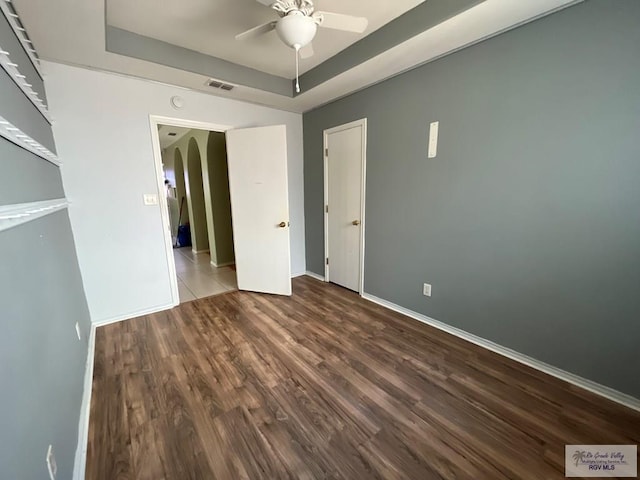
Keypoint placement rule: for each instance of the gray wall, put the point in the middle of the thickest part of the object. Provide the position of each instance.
(527, 224)
(28, 178)
(42, 362)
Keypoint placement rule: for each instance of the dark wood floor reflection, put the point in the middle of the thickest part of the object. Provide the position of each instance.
(325, 385)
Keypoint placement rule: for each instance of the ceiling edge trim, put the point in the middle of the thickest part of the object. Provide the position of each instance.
(186, 89)
(403, 71)
(123, 42)
(414, 22)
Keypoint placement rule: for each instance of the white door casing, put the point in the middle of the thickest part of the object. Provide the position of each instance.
(154, 122)
(345, 170)
(258, 185)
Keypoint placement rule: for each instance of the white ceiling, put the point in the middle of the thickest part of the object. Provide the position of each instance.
(166, 140)
(73, 32)
(210, 27)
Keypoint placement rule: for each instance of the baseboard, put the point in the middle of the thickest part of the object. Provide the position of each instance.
(297, 274)
(198, 252)
(129, 316)
(83, 425)
(604, 391)
(85, 409)
(314, 275)
(224, 264)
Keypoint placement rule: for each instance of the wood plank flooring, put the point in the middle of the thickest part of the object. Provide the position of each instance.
(325, 385)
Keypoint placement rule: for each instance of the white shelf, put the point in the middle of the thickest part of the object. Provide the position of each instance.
(13, 69)
(21, 34)
(18, 214)
(17, 136)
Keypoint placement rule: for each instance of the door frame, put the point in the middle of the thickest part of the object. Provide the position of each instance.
(325, 145)
(154, 122)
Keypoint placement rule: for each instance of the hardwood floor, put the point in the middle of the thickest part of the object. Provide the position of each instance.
(325, 385)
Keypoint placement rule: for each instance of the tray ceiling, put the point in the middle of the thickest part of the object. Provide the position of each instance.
(184, 54)
(210, 27)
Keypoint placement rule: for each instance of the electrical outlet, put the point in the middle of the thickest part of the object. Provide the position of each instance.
(78, 331)
(426, 290)
(51, 463)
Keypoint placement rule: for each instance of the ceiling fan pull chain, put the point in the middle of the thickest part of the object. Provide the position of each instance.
(297, 69)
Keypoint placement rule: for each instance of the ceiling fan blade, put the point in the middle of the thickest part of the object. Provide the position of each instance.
(257, 31)
(338, 21)
(307, 51)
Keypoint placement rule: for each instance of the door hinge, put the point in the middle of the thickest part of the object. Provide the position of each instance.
(326, 152)
(327, 261)
(326, 208)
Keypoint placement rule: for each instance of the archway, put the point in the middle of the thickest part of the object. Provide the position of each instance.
(181, 189)
(220, 199)
(195, 194)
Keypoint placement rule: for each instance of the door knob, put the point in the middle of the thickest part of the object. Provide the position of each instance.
(355, 222)
(282, 224)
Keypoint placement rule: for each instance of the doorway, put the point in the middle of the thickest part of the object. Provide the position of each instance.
(195, 173)
(254, 194)
(345, 174)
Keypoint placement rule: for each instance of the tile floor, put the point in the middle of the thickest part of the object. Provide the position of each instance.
(197, 278)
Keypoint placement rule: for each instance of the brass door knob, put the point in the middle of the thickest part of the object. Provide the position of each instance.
(282, 224)
(355, 222)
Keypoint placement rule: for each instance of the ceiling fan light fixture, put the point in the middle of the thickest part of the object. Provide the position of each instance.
(296, 30)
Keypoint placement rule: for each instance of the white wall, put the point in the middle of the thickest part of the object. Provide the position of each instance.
(102, 131)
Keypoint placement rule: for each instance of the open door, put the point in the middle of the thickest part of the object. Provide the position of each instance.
(258, 186)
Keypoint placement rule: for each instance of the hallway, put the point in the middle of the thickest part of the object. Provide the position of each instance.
(197, 278)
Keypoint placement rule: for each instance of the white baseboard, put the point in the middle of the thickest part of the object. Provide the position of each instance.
(224, 264)
(604, 391)
(83, 425)
(607, 392)
(314, 275)
(85, 409)
(129, 316)
(297, 274)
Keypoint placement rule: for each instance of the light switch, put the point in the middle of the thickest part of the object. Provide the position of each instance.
(433, 139)
(150, 198)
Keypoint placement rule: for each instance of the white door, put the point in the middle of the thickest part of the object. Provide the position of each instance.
(344, 189)
(258, 186)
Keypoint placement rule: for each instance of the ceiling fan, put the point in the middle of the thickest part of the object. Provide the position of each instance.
(298, 24)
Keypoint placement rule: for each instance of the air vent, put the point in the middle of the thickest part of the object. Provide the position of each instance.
(219, 85)
(172, 134)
